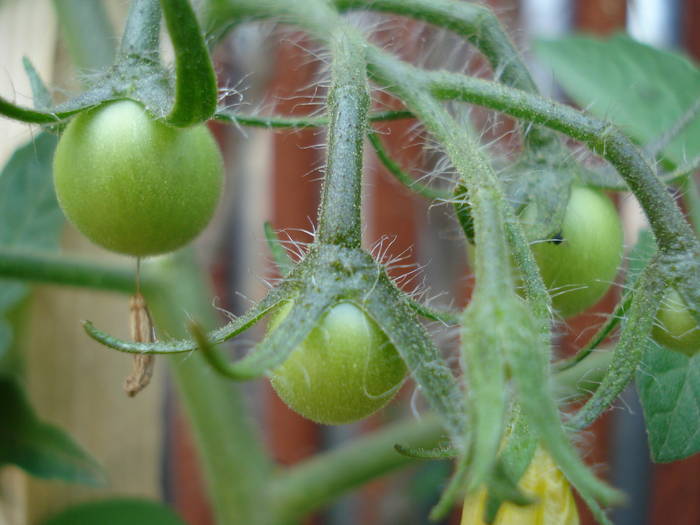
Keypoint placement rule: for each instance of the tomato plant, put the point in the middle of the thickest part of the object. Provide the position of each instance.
(135, 185)
(343, 371)
(137, 171)
(675, 327)
(580, 263)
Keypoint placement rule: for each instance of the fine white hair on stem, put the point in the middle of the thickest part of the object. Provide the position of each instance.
(226, 313)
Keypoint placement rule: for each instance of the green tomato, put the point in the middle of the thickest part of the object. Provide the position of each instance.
(133, 184)
(675, 327)
(579, 266)
(343, 371)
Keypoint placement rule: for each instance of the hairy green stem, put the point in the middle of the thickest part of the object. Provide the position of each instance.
(677, 242)
(277, 121)
(309, 122)
(604, 331)
(608, 179)
(523, 338)
(679, 247)
(602, 137)
(446, 317)
(318, 17)
(482, 28)
(400, 175)
(142, 32)
(339, 218)
(23, 114)
(583, 377)
(315, 482)
(479, 178)
(484, 349)
(628, 352)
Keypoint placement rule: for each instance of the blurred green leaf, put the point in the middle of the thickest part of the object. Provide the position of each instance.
(642, 89)
(41, 449)
(29, 213)
(40, 93)
(668, 384)
(117, 512)
(29, 218)
(540, 191)
(669, 388)
(87, 32)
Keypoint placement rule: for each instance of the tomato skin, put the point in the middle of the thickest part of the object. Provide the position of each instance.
(343, 371)
(580, 267)
(675, 328)
(554, 503)
(133, 184)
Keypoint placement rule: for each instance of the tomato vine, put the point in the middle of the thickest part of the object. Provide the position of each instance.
(507, 393)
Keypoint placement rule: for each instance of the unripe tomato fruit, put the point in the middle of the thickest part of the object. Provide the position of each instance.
(135, 185)
(554, 503)
(675, 328)
(579, 266)
(343, 371)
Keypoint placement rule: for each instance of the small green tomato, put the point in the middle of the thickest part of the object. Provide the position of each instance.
(675, 327)
(135, 185)
(579, 266)
(343, 371)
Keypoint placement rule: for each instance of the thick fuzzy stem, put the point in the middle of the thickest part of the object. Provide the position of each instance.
(348, 104)
(482, 28)
(142, 33)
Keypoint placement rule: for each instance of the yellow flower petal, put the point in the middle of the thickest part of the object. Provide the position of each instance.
(554, 503)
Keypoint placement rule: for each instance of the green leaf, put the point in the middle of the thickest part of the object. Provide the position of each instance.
(41, 449)
(669, 388)
(29, 218)
(29, 214)
(40, 93)
(668, 384)
(642, 89)
(540, 192)
(117, 512)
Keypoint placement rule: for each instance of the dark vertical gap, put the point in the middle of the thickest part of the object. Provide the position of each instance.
(630, 466)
